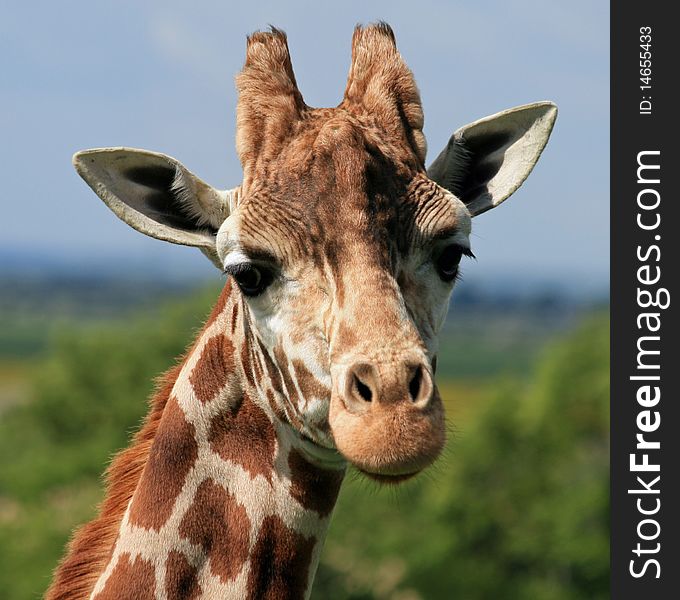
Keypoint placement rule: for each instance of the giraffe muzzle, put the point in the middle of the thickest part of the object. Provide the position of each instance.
(387, 417)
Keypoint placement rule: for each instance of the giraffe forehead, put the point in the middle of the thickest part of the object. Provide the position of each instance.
(346, 198)
(315, 178)
(375, 230)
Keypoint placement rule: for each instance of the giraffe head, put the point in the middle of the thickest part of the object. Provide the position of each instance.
(343, 246)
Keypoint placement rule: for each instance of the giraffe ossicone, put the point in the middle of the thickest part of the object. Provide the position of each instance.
(341, 251)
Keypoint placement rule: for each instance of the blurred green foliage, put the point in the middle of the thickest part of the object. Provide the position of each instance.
(517, 508)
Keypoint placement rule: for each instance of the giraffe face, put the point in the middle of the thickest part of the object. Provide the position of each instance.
(346, 256)
(344, 247)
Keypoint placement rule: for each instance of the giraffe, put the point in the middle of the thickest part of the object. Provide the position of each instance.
(341, 250)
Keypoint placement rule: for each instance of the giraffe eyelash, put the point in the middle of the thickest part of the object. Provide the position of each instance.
(238, 268)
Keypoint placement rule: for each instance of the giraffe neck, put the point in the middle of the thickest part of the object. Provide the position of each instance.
(232, 502)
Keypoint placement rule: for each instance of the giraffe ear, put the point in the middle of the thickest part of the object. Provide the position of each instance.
(156, 195)
(486, 161)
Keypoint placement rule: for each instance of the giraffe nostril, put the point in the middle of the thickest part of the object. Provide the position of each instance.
(362, 389)
(414, 384)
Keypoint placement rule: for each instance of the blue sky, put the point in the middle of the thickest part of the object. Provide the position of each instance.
(159, 75)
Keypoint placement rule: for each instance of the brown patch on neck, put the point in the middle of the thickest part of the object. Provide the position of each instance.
(271, 368)
(282, 360)
(221, 303)
(310, 386)
(181, 579)
(279, 565)
(172, 455)
(315, 488)
(246, 351)
(130, 580)
(90, 548)
(275, 391)
(213, 368)
(234, 317)
(220, 526)
(245, 436)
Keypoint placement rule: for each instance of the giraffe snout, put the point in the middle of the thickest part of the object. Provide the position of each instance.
(387, 417)
(368, 385)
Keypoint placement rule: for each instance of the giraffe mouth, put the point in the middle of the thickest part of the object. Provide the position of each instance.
(386, 415)
(389, 443)
(387, 479)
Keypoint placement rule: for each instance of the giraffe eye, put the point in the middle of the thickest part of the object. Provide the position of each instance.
(252, 280)
(448, 261)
